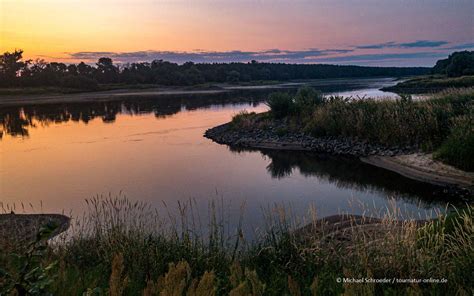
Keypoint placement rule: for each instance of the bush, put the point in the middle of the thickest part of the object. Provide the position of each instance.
(281, 104)
(306, 99)
(29, 274)
(303, 103)
(458, 149)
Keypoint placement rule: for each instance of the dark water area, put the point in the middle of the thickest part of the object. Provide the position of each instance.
(152, 150)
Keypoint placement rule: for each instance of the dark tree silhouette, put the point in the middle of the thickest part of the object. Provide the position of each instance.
(106, 71)
(11, 67)
(457, 64)
(16, 72)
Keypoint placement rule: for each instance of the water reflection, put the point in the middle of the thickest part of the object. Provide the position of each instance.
(16, 121)
(350, 173)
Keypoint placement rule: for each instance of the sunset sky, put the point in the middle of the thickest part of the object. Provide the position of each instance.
(362, 32)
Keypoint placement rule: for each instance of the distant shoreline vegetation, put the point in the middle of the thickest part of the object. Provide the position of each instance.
(454, 72)
(17, 72)
(426, 84)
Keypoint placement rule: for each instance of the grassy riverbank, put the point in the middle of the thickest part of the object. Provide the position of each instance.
(442, 124)
(126, 248)
(430, 84)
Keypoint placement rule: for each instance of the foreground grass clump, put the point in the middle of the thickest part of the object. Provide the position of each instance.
(443, 121)
(126, 248)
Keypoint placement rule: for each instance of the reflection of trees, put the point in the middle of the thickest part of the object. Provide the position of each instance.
(14, 123)
(17, 120)
(350, 173)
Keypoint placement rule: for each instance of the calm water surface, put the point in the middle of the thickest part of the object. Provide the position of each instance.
(153, 150)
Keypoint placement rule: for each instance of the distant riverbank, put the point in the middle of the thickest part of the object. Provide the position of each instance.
(31, 96)
(99, 96)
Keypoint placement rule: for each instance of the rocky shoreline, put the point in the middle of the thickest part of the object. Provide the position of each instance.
(272, 138)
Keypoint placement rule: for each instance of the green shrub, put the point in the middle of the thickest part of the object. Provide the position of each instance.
(458, 149)
(281, 104)
(29, 273)
(306, 99)
(302, 104)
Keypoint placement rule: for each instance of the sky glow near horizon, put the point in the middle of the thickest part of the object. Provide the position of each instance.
(361, 32)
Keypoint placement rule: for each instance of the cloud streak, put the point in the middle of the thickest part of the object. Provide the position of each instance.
(383, 57)
(432, 50)
(210, 56)
(462, 46)
(414, 44)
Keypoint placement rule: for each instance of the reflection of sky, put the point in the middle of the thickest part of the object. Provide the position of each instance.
(370, 32)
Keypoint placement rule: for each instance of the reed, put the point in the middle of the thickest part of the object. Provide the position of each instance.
(120, 247)
(424, 123)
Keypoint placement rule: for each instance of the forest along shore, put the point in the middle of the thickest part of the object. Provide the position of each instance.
(287, 128)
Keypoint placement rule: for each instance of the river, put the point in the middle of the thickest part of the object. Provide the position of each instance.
(53, 156)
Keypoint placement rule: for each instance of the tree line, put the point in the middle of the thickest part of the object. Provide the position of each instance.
(17, 72)
(457, 64)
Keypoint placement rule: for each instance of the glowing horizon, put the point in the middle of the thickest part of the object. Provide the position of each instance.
(347, 32)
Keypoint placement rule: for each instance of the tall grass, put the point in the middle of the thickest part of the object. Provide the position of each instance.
(149, 241)
(392, 122)
(459, 145)
(126, 248)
